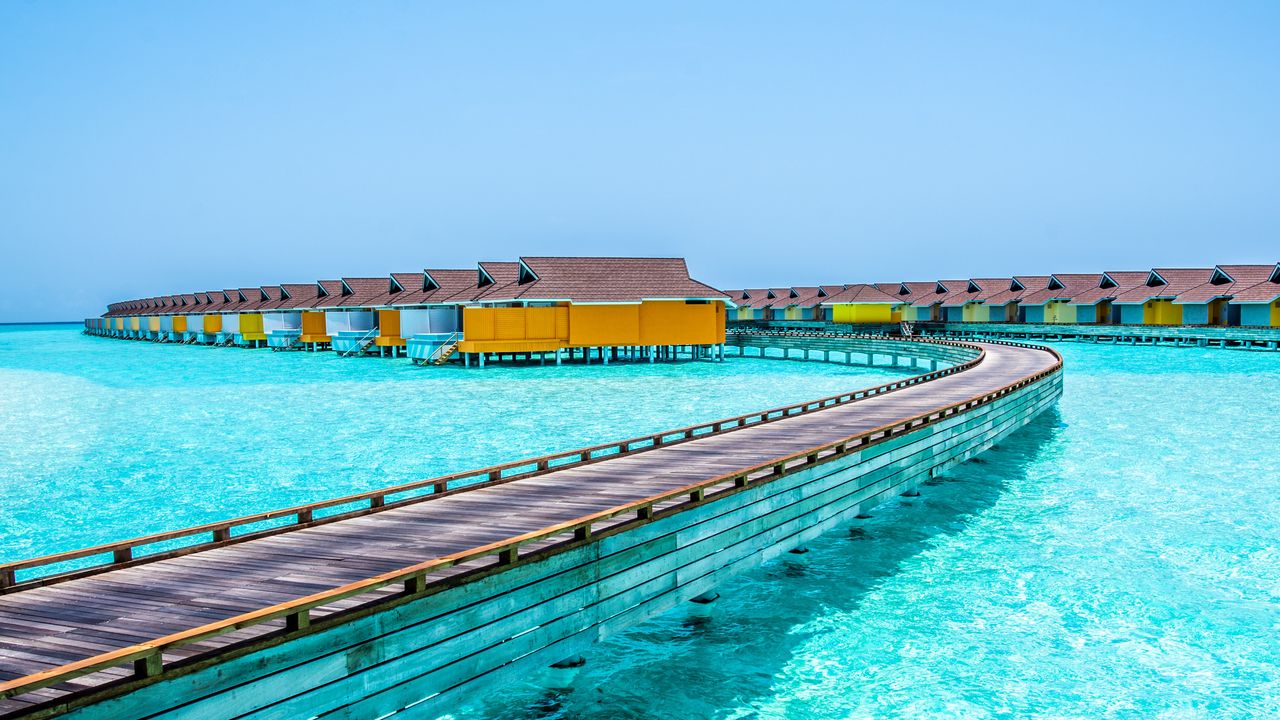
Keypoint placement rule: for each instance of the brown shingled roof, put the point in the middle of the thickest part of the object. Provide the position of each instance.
(602, 279)
(935, 295)
(1166, 283)
(1262, 292)
(1063, 286)
(1226, 281)
(862, 293)
(358, 292)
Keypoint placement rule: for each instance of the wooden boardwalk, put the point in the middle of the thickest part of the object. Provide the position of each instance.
(46, 628)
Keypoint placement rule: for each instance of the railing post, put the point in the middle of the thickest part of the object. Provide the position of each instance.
(305, 516)
(509, 555)
(298, 621)
(440, 488)
(222, 534)
(123, 555)
(415, 584)
(377, 501)
(8, 578)
(149, 666)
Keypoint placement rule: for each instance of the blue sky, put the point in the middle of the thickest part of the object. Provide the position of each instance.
(148, 148)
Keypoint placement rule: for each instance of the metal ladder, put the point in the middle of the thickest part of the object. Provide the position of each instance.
(362, 344)
(446, 349)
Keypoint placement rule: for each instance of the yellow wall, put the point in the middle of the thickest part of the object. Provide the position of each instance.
(1161, 312)
(119, 323)
(212, 324)
(1275, 314)
(744, 313)
(604, 325)
(673, 322)
(975, 312)
(1056, 311)
(153, 324)
(792, 313)
(522, 329)
(862, 313)
(389, 329)
(179, 323)
(313, 329)
(251, 327)
(135, 323)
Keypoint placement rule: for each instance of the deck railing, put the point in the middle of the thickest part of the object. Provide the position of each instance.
(147, 658)
(126, 553)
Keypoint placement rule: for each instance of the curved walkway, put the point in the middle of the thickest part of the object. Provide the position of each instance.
(45, 628)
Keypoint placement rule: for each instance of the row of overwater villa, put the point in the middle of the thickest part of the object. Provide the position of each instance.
(536, 308)
(1226, 295)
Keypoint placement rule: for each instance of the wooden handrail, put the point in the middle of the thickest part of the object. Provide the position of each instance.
(147, 658)
(124, 552)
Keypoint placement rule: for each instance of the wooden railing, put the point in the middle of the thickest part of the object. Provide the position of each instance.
(147, 658)
(125, 553)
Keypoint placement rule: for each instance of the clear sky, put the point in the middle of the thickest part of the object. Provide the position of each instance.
(150, 148)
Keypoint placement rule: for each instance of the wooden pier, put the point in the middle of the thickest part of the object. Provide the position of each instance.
(418, 594)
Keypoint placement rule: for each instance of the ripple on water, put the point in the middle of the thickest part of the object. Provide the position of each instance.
(1116, 558)
(108, 439)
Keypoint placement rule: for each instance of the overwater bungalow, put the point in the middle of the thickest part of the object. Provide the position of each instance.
(395, 286)
(591, 307)
(1098, 301)
(800, 303)
(351, 321)
(754, 304)
(245, 320)
(1211, 303)
(925, 300)
(430, 309)
(1057, 302)
(1256, 304)
(862, 303)
(214, 302)
(281, 316)
(1152, 303)
(981, 300)
(289, 317)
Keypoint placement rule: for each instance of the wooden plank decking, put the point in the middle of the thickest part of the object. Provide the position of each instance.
(43, 628)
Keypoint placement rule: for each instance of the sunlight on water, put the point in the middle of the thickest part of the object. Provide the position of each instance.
(109, 439)
(1116, 559)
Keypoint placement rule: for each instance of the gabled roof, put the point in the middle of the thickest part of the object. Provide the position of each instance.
(1231, 281)
(597, 280)
(1112, 284)
(494, 282)
(1261, 292)
(922, 297)
(1065, 287)
(976, 290)
(1166, 283)
(446, 286)
(804, 297)
(359, 292)
(756, 298)
(863, 294)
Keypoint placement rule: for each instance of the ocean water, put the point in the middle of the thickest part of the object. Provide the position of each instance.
(109, 439)
(1118, 558)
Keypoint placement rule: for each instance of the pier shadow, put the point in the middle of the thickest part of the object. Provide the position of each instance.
(680, 665)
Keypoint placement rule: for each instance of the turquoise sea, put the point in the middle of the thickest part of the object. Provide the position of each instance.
(110, 439)
(1118, 558)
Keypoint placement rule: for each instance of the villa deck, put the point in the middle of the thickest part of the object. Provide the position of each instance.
(136, 624)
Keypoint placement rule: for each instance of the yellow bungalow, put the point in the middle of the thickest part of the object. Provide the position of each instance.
(591, 307)
(863, 304)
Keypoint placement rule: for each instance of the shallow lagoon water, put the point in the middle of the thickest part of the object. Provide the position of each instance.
(1118, 558)
(109, 439)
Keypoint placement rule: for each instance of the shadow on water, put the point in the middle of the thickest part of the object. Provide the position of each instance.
(681, 666)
